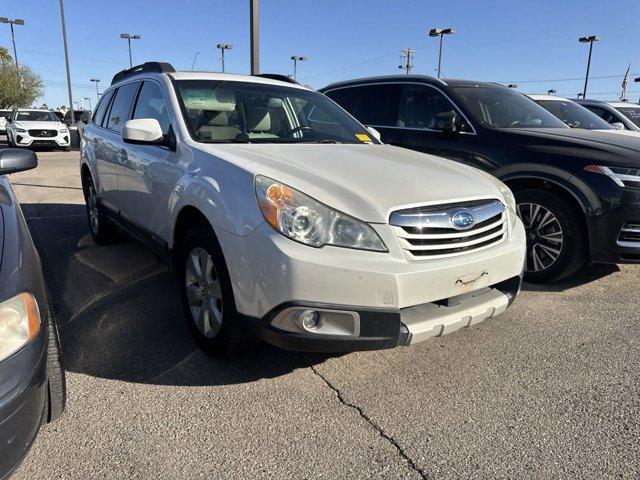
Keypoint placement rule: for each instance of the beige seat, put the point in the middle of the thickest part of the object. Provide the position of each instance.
(260, 123)
(217, 127)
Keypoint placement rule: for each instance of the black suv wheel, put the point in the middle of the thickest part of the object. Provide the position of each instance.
(555, 235)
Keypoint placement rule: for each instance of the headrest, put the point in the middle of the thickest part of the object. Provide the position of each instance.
(219, 100)
(217, 119)
(259, 120)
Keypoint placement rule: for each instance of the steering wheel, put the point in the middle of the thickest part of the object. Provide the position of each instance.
(517, 123)
(301, 128)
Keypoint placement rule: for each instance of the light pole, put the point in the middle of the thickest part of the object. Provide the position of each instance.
(96, 81)
(89, 100)
(223, 47)
(128, 38)
(195, 57)
(589, 40)
(254, 28)
(440, 32)
(12, 22)
(297, 59)
(66, 60)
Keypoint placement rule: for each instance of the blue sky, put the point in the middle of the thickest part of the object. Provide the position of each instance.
(522, 41)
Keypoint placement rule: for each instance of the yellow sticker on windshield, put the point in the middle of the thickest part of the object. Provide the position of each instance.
(363, 137)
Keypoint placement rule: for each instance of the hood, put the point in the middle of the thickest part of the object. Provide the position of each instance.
(40, 125)
(615, 131)
(365, 181)
(600, 146)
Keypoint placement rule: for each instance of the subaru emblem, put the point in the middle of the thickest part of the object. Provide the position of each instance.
(463, 220)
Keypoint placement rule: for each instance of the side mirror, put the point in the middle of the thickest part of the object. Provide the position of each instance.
(375, 133)
(447, 122)
(618, 125)
(8, 119)
(142, 130)
(14, 160)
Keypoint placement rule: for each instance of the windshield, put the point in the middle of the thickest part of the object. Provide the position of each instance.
(36, 116)
(574, 115)
(242, 112)
(632, 113)
(501, 107)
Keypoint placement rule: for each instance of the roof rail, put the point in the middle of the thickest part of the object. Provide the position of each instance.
(148, 67)
(277, 76)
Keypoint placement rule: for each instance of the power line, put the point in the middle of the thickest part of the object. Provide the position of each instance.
(407, 56)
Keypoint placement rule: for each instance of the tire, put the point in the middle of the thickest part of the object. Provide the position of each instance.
(56, 382)
(103, 231)
(217, 329)
(556, 237)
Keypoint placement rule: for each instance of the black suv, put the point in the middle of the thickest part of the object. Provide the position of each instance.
(578, 191)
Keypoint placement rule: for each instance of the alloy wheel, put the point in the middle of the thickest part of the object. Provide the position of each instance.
(92, 209)
(204, 292)
(545, 237)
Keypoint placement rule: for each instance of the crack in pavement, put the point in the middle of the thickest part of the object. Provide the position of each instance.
(368, 419)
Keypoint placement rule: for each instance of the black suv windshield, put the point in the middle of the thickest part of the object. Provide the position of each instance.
(243, 112)
(36, 116)
(632, 113)
(575, 115)
(501, 107)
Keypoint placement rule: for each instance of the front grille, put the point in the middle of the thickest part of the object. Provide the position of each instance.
(429, 232)
(630, 235)
(43, 133)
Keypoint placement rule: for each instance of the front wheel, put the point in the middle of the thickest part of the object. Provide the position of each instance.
(207, 296)
(556, 246)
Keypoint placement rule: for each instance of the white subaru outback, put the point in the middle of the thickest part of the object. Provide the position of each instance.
(286, 220)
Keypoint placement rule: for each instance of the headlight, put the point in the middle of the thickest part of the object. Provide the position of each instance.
(64, 130)
(507, 194)
(19, 323)
(21, 130)
(305, 220)
(623, 176)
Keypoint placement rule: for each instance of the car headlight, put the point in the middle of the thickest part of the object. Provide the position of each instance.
(21, 130)
(622, 176)
(507, 194)
(64, 130)
(303, 219)
(19, 323)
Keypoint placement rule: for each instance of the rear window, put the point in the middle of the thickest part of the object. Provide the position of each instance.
(632, 113)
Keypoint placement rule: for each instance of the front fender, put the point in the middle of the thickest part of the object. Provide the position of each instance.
(587, 199)
(227, 200)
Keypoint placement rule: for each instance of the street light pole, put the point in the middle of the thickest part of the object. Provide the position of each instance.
(195, 57)
(96, 81)
(12, 22)
(254, 27)
(223, 47)
(129, 37)
(440, 32)
(297, 59)
(66, 60)
(89, 100)
(589, 40)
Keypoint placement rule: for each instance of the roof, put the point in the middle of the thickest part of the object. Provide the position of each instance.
(231, 77)
(32, 110)
(407, 78)
(612, 103)
(548, 97)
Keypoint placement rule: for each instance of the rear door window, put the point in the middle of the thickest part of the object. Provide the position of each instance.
(101, 109)
(370, 105)
(121, 106)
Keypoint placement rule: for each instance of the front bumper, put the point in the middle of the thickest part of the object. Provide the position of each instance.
(25, 140)
(23, 396)
(394, 301)
(613, 242)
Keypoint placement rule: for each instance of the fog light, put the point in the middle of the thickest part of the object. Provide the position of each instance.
(309, 319)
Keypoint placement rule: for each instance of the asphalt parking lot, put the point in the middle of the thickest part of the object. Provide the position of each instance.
(550, 389)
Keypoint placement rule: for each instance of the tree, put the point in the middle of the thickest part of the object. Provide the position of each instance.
(17, 91)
